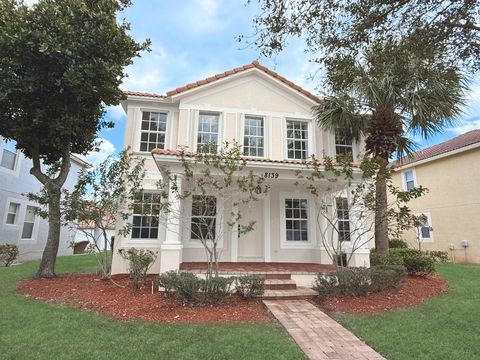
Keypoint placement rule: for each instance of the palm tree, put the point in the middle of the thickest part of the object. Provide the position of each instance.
(384, 98)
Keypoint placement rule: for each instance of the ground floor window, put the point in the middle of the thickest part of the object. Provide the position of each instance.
(29, 223)
(12, 213)
(343, 219)
(296, 219)
(146, 212)
(204, 213)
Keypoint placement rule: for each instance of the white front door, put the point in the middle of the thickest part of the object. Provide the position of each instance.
(251, 244)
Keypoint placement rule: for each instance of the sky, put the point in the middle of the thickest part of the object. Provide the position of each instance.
(194, 39)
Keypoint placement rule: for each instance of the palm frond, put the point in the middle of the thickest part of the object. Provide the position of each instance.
(406, 147)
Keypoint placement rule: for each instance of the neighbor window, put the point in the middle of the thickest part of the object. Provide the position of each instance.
(296, 219)
(146, 212)
(207, 136)
(253, 136)
(425, 230)
(204, 213)
(297, 139)
(29, 222)
(9, 155)
(343, 219)
(409, 180)
(12, 213)
(343, 145)
(154, 128)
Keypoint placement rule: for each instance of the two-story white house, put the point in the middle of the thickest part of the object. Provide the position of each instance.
(271, 118)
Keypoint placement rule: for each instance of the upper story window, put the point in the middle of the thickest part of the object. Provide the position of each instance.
(207, 135)
(343, 217)
(204, 217)
(12, 213)
(343, 145)
(409, 180)
(253, 136)
(296, 219)
(146, 212)
(154, 128)
(297, 139)
(29, 222)
(9, 155)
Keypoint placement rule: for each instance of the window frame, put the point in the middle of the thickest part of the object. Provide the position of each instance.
(191, 217)
(343, 220)
(219, 128)
(16, 165)
(141, 131)
(140, 240)
(245, 136)
(404, 178)
(312, 242)
(308, 141)
(337, 144)
(34, 226)
(16, 214)
(429, 223)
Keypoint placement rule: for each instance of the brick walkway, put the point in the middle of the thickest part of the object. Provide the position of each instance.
(318, 335)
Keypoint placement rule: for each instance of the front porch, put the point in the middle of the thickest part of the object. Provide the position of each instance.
(259, 268)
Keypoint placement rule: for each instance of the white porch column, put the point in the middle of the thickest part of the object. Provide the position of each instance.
(171, 248)
(267, 237)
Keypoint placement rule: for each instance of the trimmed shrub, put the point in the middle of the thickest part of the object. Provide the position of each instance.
(139, 261)
(217, 288)
(187, 287)
(326, 285)
(418, 264)
(250, 286)
(397, 244)
(438, 256)
(168, 281)
(394, 258)
(387, 276)
(8, 254)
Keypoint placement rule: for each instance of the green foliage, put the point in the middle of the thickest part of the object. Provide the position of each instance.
(217, 288)
(168, 280)
(352, 282)
(139, 261)
(187, 286)
(418, 264)
(438, 256)
(8, 253)
(250, 286)
(397, 243)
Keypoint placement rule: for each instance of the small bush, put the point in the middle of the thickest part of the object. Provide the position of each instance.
(326, 285)
(187, 287)
(418, 264)
(250, 286)
(139, 261)
(168, 281)
(394, 258)
(387, 276)
(397, 244)
(217, 288)
(8, 253)
(438, 256)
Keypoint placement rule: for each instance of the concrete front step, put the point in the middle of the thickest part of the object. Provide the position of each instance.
(280, 284)
(298, 293)
(278, 276)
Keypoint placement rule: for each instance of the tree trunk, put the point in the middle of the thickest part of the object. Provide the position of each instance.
(381, 223)
(49, 257)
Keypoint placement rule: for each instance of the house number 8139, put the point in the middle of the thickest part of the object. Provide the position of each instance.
(270, 175)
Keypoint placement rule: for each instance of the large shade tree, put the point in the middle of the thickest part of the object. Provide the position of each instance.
(61, 63)
(384, 97)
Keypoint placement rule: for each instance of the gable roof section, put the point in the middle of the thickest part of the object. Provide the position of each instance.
(254, 65)
(457, 143)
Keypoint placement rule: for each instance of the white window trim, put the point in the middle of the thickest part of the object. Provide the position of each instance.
(138, 128)
(17, 218)
(311, 137)
(337, 234)
(195, 128)
(404, 181)
(286, 244)
(266, 134)
(219, 227)
(429, 222)
(35, 224)
(352, 146)
(16, 170)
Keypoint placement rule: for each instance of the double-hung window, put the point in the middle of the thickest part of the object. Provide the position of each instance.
(9, 155)
(146, 213)
(253, 136)
(409, 180)
(12, 213)
(343, 146)
(343, 217)
(296, 219)
(154, 129)
(297, 140)
(207, 135)
(425, 229)
(29, 223)
(204, 214)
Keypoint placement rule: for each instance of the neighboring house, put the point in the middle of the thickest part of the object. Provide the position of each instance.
(20, 225)
(272, 118)
(451, 172)
(88, 233)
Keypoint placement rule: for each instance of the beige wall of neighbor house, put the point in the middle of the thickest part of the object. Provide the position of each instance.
(452, 203)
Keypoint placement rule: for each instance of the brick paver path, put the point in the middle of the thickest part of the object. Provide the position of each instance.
(318, 335)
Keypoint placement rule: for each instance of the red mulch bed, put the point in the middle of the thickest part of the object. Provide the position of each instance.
(88, 292)
(414, 291)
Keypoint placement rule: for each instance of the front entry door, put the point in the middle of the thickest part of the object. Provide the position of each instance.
(251, 244)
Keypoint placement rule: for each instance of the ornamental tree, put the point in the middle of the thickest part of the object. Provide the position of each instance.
(62, 62)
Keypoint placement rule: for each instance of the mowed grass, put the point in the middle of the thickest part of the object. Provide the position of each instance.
(446, 327)
(35, 330)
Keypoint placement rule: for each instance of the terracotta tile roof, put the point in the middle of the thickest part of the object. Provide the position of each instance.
(254, 64)
(464, 140)
(261, 160)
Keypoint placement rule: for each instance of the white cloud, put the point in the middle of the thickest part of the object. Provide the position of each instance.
(104, 149)
(115, 113)
(466, 126)
(471, 116)
(203, 17)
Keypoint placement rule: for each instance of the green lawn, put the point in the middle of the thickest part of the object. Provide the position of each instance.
(35, 330)
(447, 327)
